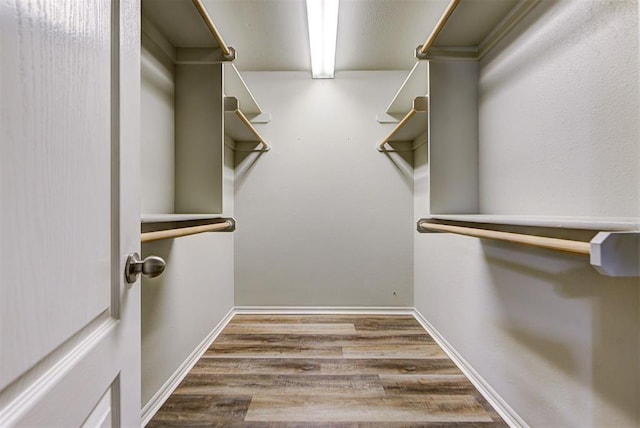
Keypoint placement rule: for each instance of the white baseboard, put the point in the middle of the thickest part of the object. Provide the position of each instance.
(324, 310)
(172, 383)
(498, 403)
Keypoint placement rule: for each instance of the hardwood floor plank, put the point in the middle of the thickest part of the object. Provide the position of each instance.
(389, 366)
(185, 409)
(282, 328)
(270, 366)
(365, 338)
(291, 385)
(426, 384)
(367, 324)
(272, 351)
(391, 333)
(486, 424)
(426, 408)
(311, 366)
(427, 350)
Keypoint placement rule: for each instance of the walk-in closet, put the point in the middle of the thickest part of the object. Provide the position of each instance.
(434, 222)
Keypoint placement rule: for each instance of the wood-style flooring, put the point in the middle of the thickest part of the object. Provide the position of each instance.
(325, 370)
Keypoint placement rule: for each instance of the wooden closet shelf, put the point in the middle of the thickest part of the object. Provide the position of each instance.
(612, 253)
(228, 53)
(235, 86)
(239, 127)
(411, 126)
(421, 51)
(563, 222)
(185, 24)
(416, 84)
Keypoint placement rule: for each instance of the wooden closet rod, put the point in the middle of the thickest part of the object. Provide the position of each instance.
(577, 247)
(253, 130)
(212, 28)
(184, 231)
(439, 26)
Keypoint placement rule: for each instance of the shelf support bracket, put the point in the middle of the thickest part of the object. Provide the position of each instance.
(616, 253)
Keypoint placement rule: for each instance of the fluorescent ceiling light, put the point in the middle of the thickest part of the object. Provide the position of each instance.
(322, 17)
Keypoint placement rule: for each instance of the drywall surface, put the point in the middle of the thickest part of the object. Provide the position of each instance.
(453, 137)
(157, 131)
(324, 218)
(228, 174)
(181, 307)
(559, 113)
(199, 136)
(557, 341)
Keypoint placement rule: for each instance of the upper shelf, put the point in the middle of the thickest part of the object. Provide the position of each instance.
(234, 86)
(238, 127)
(411, 126)
(184, 31)
(177, 28)
(180, 22)
(415, 85)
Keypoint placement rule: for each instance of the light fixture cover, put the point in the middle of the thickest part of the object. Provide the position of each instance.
(322, 17)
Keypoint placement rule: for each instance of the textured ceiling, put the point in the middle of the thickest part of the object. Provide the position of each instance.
(372, 34)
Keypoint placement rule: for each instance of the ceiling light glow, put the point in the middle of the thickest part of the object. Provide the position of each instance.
(322, 18)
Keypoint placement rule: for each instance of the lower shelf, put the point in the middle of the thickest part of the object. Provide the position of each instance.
(614, 253)
(585, 223)
(164, 218)
(176, 229)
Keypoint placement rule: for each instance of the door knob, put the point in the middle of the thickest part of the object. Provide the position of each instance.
(151, 266)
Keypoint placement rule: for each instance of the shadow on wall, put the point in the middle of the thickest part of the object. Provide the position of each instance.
(244, 162)
(567, 316)
(402, 161)
(154, 288)
(527, 56)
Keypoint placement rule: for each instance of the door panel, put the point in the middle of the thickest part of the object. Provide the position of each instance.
(101, 415)
(69, 325)
(55, 184)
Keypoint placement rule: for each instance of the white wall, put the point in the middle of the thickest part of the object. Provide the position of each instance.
(559, 113)
(157, 140)
(324, 218)
(183, 305)
(558, 136)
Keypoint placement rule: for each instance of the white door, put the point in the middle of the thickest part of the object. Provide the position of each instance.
(69, 159)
